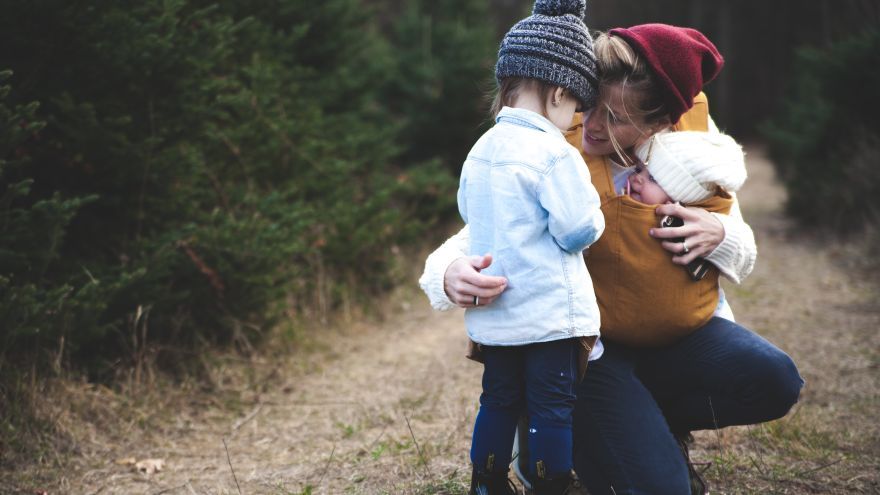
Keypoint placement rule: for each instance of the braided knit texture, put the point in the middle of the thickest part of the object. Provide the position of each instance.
(560, 7)
(552, 45)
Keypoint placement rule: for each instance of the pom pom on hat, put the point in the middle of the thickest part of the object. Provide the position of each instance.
(552, 45)
(683, 60)
(560, 7)
(691, 165)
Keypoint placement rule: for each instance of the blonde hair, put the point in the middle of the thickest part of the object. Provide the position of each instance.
(641, 95)
(509, 90)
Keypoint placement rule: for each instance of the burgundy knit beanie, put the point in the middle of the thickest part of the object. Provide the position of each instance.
(682, 58)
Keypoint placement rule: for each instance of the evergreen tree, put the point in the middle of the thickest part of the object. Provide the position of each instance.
(444, 77)
(207, 165)
(824, 141)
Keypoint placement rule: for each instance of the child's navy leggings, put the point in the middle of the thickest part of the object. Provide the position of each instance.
(538, 379)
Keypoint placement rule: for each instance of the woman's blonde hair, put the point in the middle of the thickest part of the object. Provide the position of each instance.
(641, 95)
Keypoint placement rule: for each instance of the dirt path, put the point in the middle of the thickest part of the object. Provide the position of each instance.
(389, 408)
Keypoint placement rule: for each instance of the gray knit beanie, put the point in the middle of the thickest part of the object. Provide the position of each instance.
(554, 46)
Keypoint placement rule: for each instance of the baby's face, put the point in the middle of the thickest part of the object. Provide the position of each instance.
(644, 189)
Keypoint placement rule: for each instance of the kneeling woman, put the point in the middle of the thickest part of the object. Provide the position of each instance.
(637, 402)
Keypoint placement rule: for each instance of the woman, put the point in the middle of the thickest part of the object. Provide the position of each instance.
(636, 404)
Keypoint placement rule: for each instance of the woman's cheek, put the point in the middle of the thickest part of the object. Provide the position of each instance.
(595, 147)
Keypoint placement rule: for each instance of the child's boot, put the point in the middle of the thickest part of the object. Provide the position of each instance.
(567, 484)
(556, 486)
(491, 483)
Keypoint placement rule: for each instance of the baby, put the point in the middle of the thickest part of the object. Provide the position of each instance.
(686, 167)
(645, 299)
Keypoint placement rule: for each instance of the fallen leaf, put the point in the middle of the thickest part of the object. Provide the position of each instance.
(150, 466)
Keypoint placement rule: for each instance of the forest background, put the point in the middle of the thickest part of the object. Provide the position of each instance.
(181, 176)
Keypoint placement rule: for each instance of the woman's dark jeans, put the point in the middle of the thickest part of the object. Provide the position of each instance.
(633, 401)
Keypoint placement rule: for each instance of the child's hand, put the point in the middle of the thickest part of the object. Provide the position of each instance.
(463, 281)
(702, 233)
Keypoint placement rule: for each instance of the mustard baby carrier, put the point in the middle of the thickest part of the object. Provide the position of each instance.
(644, 298)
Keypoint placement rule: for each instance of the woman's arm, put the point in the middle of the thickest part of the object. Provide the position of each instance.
(736, 254)
(452, 278)
(726, 241)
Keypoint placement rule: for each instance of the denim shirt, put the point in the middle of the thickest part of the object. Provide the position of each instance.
(526, 195)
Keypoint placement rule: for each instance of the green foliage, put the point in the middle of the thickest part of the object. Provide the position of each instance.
(445, 57)
(825, 141)
(32, 233)
(194, 170)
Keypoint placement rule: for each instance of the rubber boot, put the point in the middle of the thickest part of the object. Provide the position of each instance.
(521, 455)
(556, 486)
(491, 483)
(559, 485)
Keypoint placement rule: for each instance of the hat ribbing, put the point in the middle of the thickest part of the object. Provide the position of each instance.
(683, 60)
(554, 46)
(690, 165)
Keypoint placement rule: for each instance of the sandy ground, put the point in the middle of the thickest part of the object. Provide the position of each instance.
(388, 407)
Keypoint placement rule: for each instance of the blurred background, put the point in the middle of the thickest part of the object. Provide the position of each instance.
(758, 39)
(178, 175)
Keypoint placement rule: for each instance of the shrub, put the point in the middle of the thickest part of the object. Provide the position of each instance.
(32, 232)
(824, 141)
(445, 56)
(194, 170)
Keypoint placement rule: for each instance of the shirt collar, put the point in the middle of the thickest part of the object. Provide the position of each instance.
(527, 118)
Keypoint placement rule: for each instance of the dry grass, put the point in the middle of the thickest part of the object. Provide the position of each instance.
(804, 297)
(385, 403)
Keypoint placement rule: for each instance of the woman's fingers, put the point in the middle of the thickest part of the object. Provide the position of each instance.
(486, 295)
(481, 262)
(464, 292)
(679, 256)
(700, 234)
(677, 210)
(463, 281)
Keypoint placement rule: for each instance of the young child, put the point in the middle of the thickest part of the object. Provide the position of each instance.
(639, 290)
(526, 195)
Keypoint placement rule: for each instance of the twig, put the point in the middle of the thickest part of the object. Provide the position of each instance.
(823, 466)
(166, 490)
(370, 447)
(718, 438)
(211, 274)
(757, 448)
(326, 403)
(230, 466)
(327, 466)
(418, 449)
(856, 478)
(238, 424)
(757, 466)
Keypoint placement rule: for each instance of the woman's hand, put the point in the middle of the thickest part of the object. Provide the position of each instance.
(463, 280)
(702, 233)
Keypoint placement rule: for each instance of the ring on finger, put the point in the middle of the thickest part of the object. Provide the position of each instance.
(684, 247)
(476, 300)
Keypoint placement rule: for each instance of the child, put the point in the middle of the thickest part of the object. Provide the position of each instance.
(686, 167)
(527, 197)
(640, 291)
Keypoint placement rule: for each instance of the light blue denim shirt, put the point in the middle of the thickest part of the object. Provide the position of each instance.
(527, 197)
